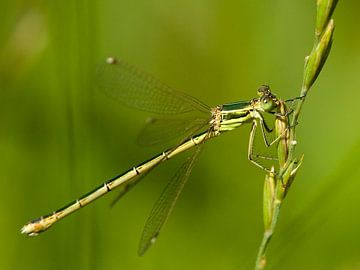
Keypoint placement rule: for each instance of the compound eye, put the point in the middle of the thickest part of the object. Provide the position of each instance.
(268, 104)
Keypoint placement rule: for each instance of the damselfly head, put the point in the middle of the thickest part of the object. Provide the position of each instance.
(264, 90)
(267, 101)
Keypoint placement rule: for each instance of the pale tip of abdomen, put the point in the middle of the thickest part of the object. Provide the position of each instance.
(38, 226)
(31, 229)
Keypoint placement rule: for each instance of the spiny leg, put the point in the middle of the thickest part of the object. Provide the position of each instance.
(266, 157)
(296, 98)
(265, 128)
(250, 147)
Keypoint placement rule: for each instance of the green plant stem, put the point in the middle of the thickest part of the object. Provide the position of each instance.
(289, 164)
(261, 259)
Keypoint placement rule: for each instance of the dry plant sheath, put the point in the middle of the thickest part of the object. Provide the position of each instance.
(278, 184)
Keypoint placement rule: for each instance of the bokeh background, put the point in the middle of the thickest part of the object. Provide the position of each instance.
(59, 137)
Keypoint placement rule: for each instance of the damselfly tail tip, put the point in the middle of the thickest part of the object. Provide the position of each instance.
(29, 229)
(38, 226)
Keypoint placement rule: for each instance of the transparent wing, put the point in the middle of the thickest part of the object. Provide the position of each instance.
(160, 130)
(137, 89)
(165, 204)
(126, 187)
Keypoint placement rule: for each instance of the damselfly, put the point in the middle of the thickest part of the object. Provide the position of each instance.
(198, 123)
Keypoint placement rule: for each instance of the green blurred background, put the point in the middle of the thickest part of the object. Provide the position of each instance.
(59, 138)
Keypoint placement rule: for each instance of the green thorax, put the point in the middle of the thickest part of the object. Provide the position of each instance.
(235, 114)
